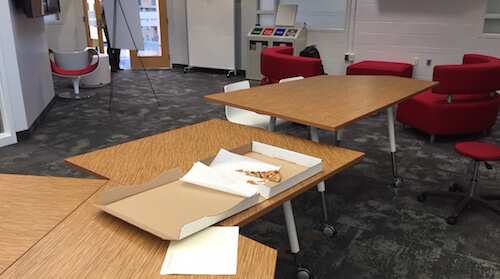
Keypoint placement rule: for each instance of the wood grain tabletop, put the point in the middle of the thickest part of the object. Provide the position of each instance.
(31, 206)
(142, 160)
(92, 244)
(326, 102)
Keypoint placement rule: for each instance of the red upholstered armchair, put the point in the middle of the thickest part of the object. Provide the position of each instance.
(278, 63)
(464, 101)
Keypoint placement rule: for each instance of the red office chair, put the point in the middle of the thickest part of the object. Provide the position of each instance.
(74, 65)
(480, 152)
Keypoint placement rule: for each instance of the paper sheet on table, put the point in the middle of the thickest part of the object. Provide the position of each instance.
(213, 251)
(222, 175)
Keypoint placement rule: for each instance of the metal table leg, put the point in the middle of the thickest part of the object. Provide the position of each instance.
(328, 230)
(398, 182)
(294, 240)
(338, 137)
(272, 124)
(302, 272)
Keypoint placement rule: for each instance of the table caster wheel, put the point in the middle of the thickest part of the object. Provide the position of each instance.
(451, 220)
(303, 273)
(456, 187)
(398, 182)
(421, 198)
(329, 231)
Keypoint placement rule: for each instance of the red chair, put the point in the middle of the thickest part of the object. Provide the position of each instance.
(480, 152)
(278, 63)
(74, 65)
(464, 101)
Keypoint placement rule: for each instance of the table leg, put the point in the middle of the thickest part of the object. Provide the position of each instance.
(272, 124)
(294, 239)
(398, 182)
(338, 137)
(328, 230)
(290, 226)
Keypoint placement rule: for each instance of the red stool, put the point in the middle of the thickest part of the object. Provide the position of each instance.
(480, 152)
(381, 68)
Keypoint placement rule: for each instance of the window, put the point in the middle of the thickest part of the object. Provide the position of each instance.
(51, 18)
(492, 18)
(266, 12)
(320, 14)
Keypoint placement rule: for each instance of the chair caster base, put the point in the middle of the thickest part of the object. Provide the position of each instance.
(329, 230)
(72, 95)
(303, 273)
(398, 182)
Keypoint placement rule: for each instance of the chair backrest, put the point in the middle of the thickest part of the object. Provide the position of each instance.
(71, 61)
(240, 85)
(278, 63)
(291, 79)
(244, 84)
(478, 75)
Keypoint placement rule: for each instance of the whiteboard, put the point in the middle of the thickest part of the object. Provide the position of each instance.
(211, 33)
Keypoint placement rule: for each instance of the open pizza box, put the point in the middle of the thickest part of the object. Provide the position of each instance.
(170, 208)
(173, 209)
(294, 167)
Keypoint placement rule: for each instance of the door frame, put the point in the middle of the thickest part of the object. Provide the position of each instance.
(8, 136)
(155, 62)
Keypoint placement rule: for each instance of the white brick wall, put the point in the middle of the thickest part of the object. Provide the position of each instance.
(332, 46)
(390, 30)
(67, 34)
(444, 30)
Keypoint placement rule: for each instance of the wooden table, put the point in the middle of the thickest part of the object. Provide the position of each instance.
(91, 244)
(140, 161)
(329, 102)
(32, 206)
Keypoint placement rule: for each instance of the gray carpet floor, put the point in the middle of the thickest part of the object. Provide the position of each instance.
(383, 232)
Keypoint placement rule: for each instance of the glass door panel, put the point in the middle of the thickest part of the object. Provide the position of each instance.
(150, 23)
(93, 16)
(153, 14)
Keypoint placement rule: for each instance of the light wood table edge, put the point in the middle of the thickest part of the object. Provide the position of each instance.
(84, 170)
(104, 182)
(270, 252)
(298, 120)
(280, 198)
(380, 109)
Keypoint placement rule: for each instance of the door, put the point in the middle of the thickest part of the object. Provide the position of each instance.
(154, 24)
(153, 14)
(92, 18)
